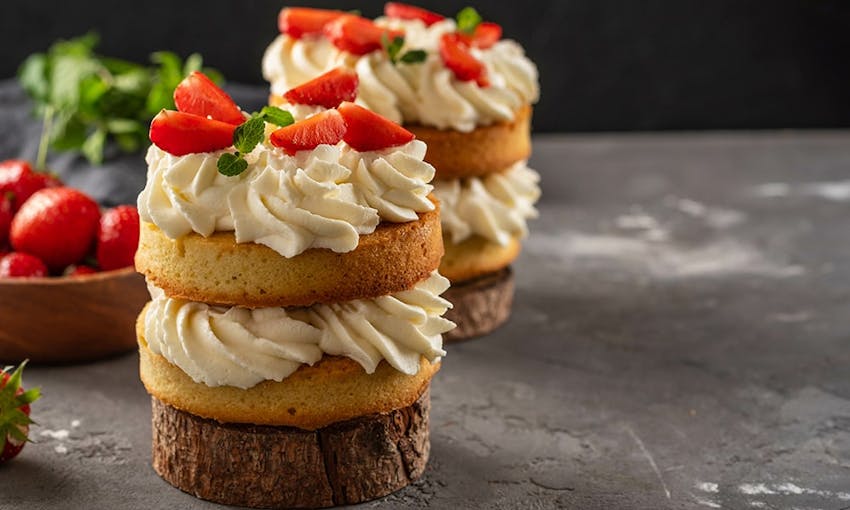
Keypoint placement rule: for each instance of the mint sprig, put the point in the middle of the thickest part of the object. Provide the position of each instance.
(248, 135)
(468, 20)
(86, 99)
(393, 48)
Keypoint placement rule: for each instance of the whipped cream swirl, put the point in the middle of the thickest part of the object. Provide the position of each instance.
(220, 346)
(495, 206)
(324, 198)
(427, 93)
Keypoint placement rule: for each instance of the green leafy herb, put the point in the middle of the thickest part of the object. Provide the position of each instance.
(276, 116)
(231, 164)
(85, 99)
(394, 47)
(248, 135)
(467, 20)
(414, 57)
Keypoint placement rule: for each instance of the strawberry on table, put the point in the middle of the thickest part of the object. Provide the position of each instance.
(14, 412)
(21, 265)
(117, 238)
(328, 90)
(182, 133)
(57, 225)
(299, 21)
(358, 35)
(198, 95)
(399, 10)
(368, 131)
(455, 54)
(324, 128)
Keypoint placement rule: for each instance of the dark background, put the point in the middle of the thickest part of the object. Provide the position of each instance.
(605, 65)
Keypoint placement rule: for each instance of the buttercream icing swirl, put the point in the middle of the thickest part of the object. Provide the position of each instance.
(220, 346)
(496, 206)
(313, 199)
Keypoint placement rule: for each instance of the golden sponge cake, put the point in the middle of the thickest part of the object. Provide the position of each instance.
(219, 270)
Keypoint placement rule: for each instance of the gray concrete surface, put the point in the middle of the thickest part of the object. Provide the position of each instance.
(680, 339)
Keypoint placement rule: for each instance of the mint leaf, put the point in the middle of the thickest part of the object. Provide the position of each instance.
(92, 148)
(193, 63)
(392, 47)
(414, 57)
(33, 77)
(249, 134)
(128, 142)
(123, 126)
(276, 116)
(231, 164)
(467, 20)
(170, 67)
(67, 131)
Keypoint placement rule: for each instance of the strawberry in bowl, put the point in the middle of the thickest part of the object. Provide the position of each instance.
(64, 258)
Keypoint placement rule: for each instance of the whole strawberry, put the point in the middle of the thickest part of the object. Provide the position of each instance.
(81, 270)
(118, 237)
(14, 412)
(57, 225)
(21, 265)
(7, 212)
(18, 178)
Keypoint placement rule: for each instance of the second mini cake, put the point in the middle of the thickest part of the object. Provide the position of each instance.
(464, 91)
(296, 317)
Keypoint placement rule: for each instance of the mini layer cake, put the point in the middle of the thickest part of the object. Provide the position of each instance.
(464, 91)
(296, 318)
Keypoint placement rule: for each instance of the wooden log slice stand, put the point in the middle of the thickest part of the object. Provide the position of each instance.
(480, 305)
(285, 467)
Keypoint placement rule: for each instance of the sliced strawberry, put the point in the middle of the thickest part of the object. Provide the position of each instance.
(368, 131)
(21, 265)
(399, 10)
(328, 90)
(324, 128)
(7, 212)
(486, 35)
(14, 412)
(456, 56)
(198, 95)
(57, 225)
(118, 237)
(184, 133)
(299, 21)
(357, 35)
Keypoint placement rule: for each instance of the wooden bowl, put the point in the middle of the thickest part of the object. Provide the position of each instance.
(67, 320)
